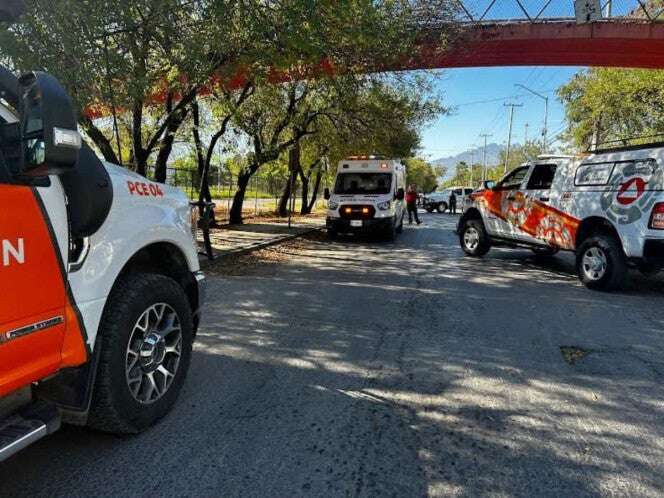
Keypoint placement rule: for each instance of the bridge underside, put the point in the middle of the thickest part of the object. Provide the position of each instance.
(554, 43)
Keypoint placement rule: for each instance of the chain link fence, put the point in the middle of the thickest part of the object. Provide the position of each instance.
(261, 197)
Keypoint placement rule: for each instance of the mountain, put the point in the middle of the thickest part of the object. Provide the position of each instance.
(474, 155)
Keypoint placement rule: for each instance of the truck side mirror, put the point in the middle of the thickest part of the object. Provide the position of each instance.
(400, 194)
(49, 138)
(326, 194)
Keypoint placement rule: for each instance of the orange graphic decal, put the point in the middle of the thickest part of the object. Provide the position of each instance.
(39, 331)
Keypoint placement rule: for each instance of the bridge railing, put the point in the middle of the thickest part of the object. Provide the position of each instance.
(492, 11)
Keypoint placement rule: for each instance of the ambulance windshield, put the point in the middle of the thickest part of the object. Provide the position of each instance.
(363, 183)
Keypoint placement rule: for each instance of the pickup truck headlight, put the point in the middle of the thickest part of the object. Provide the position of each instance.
(384, 206)
(332, 205)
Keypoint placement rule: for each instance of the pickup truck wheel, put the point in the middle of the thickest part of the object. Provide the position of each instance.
(601, 263)
(146, 336)
(332, 234)
(442, 207)
(474, 239)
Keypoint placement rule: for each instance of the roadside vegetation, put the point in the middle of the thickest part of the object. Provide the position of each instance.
(244, 88)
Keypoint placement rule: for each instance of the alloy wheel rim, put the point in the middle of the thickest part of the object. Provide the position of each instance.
(153, 353)
(471, 238)
(594, 263)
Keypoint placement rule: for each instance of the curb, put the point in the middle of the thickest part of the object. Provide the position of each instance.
(258, 245)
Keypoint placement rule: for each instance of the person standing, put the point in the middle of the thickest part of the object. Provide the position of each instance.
(411, 204)
(453, 201)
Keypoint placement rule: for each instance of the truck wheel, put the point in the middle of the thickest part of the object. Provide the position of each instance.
(331, 234)
(601, 263)
(442, 207)
(146, 336)
(474, 239)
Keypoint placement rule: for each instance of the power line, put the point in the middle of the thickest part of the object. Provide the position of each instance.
(500, 99)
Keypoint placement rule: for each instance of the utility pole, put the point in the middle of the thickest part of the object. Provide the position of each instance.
(608, 9)
(509, 135)
(485, 136)
(546, 113)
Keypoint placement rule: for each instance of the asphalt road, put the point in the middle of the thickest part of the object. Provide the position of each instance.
(361, 368)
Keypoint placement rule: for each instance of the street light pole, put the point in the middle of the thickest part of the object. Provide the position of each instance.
(509, 135)
(546, 112)
(485, 136)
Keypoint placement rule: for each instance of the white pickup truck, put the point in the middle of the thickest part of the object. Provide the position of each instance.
(607, 207)
(100, 285)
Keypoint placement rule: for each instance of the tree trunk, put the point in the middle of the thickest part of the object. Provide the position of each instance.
(166, 147)
(284, 201)
(294, 167)
(305, 193)
(100, 140)
(314, 194)
(235, 217)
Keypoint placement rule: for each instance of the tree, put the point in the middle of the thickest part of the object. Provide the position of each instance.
(143, 61)
(421, 173)
(519, 154)
(605, 104)
(225, 104)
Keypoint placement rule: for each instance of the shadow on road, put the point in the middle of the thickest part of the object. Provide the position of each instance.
(355, 370)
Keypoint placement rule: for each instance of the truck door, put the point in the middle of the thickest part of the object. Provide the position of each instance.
(537, 195)
(505, 204)
(33, 311)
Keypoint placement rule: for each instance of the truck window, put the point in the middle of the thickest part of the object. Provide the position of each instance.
(514, 179)
(457, 191)
(468, 191)
(593, 174)
(363, 183)
(542, 177)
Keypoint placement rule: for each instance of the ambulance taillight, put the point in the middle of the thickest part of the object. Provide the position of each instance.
(657, 217)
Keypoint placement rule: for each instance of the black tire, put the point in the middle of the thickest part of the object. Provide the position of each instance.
(114, 409)
(483, 243)
(615, 268)
(331, 234)
(442, 207)
(544, 252)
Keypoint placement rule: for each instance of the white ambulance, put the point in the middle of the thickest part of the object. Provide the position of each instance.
(368, 197)
(100, 285)
(607, 207)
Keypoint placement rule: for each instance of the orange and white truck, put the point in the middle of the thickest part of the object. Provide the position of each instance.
(100, 285)
(607, 207)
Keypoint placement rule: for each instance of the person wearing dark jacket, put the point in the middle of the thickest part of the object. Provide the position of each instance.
(453, 201)
(411, 204)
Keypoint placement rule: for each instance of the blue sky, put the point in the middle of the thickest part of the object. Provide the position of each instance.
(468, 90)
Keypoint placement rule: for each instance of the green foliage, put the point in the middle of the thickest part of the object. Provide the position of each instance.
(421, 173)
(519, 154)
(605, 104)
